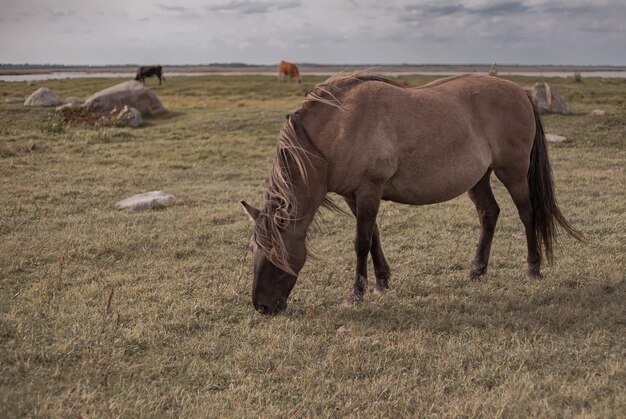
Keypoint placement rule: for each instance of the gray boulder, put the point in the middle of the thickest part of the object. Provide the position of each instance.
(130, 93)
(148, 200)
(548, 99)
(43, 97)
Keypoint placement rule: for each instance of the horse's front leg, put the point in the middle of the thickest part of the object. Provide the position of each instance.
(367, 200)
(381, 267)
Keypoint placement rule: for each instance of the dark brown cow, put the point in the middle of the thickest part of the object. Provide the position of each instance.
(288, 69)
(149, 71)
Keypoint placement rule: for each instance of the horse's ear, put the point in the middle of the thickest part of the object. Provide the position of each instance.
(252, 212)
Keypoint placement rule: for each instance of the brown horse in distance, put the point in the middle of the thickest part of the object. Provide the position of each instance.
(368, 138)
(288, 69)
(149, 71)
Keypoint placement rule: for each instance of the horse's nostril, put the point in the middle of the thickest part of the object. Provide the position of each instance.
(263, 309)
(276, 308)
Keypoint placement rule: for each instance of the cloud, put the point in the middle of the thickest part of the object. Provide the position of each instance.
(56, 15)
(499, 9)
(172, 8)
(435, 9)
(248, 7)
(565, 8)
(603, 27)
(438, 9)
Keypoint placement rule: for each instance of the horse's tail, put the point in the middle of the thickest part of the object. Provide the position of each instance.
(546, 212)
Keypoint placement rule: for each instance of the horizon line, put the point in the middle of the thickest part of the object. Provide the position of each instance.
(313, 64)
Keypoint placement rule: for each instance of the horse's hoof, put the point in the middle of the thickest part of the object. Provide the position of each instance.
(477, 272)
(382, 280)
(534, 272)
(381, 286)
(380, 290)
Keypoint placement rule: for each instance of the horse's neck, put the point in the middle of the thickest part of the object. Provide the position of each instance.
(309, 194)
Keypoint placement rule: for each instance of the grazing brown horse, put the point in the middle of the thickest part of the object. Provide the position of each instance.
(288, 69)
(149, 71)
(367, 138)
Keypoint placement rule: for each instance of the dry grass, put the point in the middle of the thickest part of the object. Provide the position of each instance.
(105, 313)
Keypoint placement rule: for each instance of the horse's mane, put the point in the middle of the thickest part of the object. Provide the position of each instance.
(330, 91)
(294, 160)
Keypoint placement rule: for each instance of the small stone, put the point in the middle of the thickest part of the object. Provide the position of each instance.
(553, 138)
(598, 112)
(148, 200)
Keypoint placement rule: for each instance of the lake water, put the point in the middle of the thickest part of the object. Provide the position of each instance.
(131, 75)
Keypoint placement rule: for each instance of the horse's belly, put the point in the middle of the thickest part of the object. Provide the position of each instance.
(440, 183)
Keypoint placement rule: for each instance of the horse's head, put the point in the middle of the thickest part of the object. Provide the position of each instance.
(272, 285)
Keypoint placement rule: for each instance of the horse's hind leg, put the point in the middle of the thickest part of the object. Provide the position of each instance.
(381, 267)
(517, 185)
(488, 211)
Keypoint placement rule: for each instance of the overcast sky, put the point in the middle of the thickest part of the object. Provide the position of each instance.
(321, 31)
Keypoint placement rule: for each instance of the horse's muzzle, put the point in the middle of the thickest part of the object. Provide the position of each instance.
(271, 309)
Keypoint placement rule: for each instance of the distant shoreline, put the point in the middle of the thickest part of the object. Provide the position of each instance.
(11, 69)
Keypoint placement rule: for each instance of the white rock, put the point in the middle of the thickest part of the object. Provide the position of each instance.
(553, 138)
(43, 97)
(598, 112)
(131, 93)
(148, 200)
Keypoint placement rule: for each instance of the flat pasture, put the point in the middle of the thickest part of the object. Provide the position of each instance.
(106, 313)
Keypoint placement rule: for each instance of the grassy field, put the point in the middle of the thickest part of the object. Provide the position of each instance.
(107, 313)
